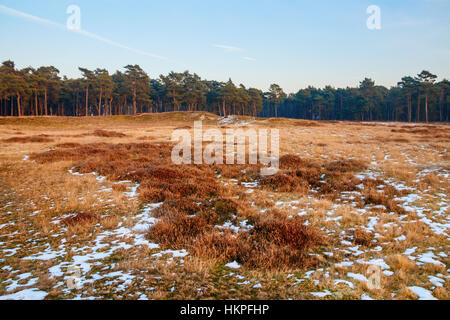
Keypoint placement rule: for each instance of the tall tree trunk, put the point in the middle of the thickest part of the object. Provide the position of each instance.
(409, 108)
(134, 101)
(36, 104)
(426, 107)
(77, 106)
(418, 109)
(99, 108)
(45, 102)
(87, 100)
(19, 111)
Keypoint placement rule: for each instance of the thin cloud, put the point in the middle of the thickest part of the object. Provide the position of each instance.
(227, 48)
(23, 15)
(249, 58)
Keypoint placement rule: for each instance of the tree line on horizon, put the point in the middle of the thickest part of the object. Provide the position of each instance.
(43, 92)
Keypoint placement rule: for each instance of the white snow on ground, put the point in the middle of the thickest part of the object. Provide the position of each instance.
(133, 191)
(175, 253)
(321, 294)
(422, 293)
(376, 262)
(365, 297)
(357, 276)
(233, 265)
(429, 257)
(243, 226)
(344, 264)
(437, 282)
(27, 294)
(348, 283)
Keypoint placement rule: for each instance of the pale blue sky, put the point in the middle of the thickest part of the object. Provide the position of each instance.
(254, 42)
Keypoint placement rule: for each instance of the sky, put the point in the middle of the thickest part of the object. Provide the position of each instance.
(253, 42)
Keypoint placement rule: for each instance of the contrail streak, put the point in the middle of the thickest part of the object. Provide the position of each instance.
(23, 15)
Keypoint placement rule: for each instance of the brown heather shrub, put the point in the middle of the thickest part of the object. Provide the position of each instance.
(282, 182)
(178, 183)
(363, 238)
(280, 243)
(299, 175)
(272, 244)
(311, 175)
(223, 246)
(68, 145)
(177, 231)
(80, 218)
(275, 242)
(340, 183)
(108, 134)
(372, 183)
(187, 206)
(285, 232)
(293, 162)
(373, 196)
(225, 209)
(31, 139)
(244, 173)
(146, 163)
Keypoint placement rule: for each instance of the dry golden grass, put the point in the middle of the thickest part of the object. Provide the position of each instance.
(314, 214)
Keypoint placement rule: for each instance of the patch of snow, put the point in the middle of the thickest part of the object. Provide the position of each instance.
(233, 265)
(321, 294)
(422, 293)
(27, 294)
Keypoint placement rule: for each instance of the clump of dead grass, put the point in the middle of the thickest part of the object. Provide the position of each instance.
(68, 145)
(400, 262)
(30, 139)
(108, 134)
(382, 197)
(362, 237)
(80, 218)
(301, 175)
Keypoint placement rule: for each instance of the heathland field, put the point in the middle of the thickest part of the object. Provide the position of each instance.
(94, 208)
